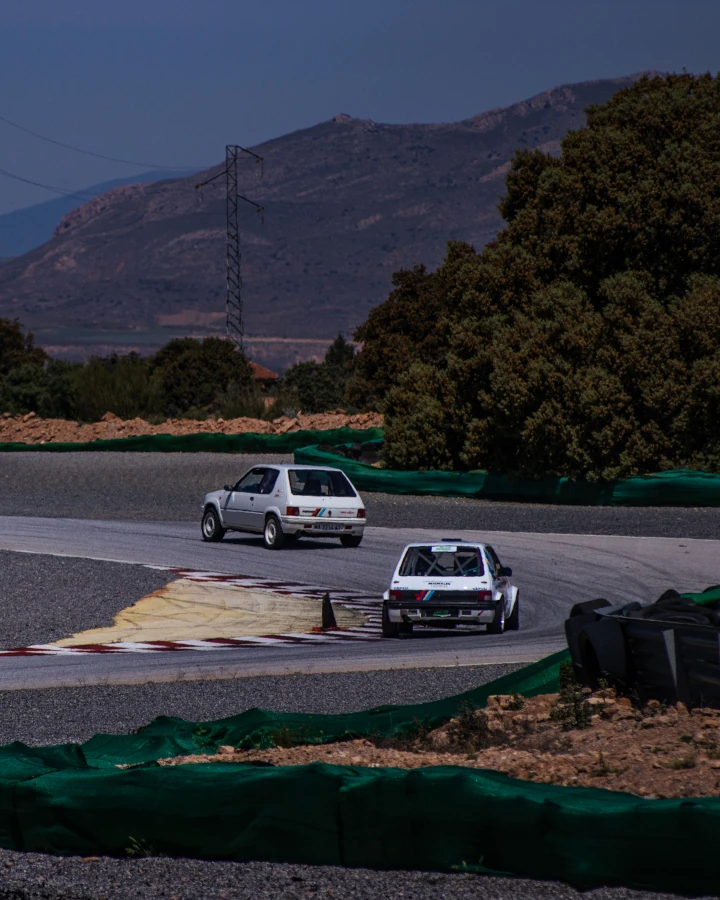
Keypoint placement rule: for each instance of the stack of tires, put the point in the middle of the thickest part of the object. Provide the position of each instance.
(667, 651)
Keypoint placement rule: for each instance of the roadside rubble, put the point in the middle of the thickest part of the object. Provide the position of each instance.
(30, 429)
(574, 738)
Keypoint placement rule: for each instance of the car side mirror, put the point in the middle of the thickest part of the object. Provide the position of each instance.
(229, 487)
(504, 572)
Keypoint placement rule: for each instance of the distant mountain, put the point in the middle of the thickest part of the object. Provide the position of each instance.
(347, 203)
(25, 229)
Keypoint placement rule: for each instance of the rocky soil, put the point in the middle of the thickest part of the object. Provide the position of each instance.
(30, 429)
(600, 741)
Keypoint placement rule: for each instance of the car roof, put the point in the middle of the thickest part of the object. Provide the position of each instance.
(288, 466)
(454, 543)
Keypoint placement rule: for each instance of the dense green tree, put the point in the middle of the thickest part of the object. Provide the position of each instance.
(16, 348)
(408, 328)
(121, 384)
(586, 340)
(318, 387)
(340, 355)
(192, 373)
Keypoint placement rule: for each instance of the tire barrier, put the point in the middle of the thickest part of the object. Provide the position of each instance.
(72, 799)
(679, 487)
(667, 651)
(206, 443)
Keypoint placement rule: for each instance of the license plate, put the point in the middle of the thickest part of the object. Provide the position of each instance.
(328, 526)
(440, 613)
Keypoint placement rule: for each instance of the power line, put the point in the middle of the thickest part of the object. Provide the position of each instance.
(47, 187)
(127, 162)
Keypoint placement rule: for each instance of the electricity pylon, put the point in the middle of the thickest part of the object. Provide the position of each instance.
(234, 326)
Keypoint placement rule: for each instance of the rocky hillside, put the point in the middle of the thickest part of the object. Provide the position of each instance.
(347, 203)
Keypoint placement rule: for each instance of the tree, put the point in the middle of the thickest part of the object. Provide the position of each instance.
(193, 373)
(318, 387)
(16, 348)
(585, 341)
(407, 328)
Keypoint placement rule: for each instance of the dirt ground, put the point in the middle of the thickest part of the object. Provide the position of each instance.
(600, 741)
(30, 429)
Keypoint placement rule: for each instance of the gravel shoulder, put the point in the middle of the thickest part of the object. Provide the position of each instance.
(170, 487)
(60, 715)
(45, 598)
(34, 876)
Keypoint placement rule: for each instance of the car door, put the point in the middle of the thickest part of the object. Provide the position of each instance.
(238, 510)
(262, 499)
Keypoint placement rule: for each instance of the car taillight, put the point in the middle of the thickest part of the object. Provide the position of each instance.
(292, 511)
(396, 595)
(484, 595)
(361, 514)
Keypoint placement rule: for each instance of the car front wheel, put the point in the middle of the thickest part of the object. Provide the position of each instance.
(211, 528)
(273, 536)
(513, 622)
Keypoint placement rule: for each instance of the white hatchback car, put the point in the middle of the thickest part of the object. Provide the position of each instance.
(284, 503)
(451, 582)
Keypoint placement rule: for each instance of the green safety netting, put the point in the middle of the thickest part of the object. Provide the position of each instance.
(208, 443)
(73, 799)
(708, 597)
(678, 487)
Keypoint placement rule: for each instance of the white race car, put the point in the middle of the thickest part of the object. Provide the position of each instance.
(448, 583)
(284, 503)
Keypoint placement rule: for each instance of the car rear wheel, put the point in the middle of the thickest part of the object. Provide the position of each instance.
(497, 626)
(211, 528)
(351, 540)
(273, 536)
(513, 622)
(389, 629)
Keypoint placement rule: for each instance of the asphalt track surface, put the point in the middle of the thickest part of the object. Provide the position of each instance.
(170, 487)
(552, 571)
(132, 508)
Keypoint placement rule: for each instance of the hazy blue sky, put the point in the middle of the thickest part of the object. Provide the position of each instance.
(172, 81)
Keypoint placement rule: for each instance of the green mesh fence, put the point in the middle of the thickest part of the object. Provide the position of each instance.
(73, 799)
(208, 443)
(679, 487)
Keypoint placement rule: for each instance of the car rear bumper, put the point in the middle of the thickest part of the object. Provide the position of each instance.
(322, 528)
(468, 615)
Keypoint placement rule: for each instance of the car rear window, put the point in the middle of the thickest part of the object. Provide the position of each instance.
(319, 483)
(447, 561)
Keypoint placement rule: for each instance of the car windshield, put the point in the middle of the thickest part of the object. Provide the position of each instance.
(319, 483)
(445, 560)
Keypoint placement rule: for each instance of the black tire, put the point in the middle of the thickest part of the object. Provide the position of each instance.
(497, 626)
(210, 527)
(513, 622)
(603, 653)
(389, 629)
(273, 536)
(588, 606)
(351, 540)
(293, 537)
